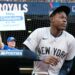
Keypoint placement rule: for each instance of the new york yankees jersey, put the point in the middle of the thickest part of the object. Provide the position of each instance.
(45, 44)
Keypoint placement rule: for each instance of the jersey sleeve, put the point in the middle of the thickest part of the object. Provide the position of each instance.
(71, 52)
(32, 41)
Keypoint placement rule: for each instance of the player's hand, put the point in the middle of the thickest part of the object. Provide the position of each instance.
(51, 60)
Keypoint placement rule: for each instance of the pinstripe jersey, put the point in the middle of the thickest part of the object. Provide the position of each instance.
(45, 44)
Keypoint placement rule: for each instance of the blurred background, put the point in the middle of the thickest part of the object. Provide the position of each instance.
(35, 20)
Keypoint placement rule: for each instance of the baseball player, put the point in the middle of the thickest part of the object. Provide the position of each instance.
(52, 44)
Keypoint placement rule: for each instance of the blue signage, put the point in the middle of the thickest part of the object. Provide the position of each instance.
(27, 7)
(33, 8)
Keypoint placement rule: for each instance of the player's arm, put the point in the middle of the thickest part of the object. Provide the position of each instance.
(66, 68)
(69, 59)
(1, 43)
(27, 53)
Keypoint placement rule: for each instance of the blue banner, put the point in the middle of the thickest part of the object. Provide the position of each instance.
(33, 8)
(27, 7)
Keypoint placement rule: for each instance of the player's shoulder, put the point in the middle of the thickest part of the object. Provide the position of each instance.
(42, 29)
(68, 35)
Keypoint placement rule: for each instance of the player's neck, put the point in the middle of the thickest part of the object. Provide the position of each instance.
(55, 32)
